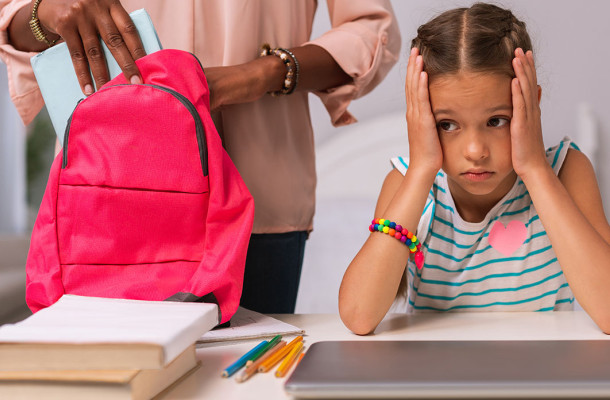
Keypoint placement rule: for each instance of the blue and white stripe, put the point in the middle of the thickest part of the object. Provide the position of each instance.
(463, 272)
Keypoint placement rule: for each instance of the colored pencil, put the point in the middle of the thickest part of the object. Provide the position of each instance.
(267, 365)
(253, 368)
(300, 358)
(289, 360)
(237, 365)
(263, 350)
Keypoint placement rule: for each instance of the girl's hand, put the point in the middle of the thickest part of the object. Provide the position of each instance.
(80, 22)
(424, 146)
(525, 127)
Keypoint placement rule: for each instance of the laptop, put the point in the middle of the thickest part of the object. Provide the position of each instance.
(453, 369)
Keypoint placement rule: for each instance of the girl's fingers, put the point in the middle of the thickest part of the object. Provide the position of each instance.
(524, 84)
(423, 95)
(418, 68)
(410, 67)
(527, 61)
(519, 113)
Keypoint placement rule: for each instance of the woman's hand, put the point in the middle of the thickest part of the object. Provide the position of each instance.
(527, 144)
(424, 146)
(81, 23)
(244, 83)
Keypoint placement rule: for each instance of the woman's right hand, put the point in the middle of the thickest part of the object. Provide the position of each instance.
(81, 23)
(425, 151)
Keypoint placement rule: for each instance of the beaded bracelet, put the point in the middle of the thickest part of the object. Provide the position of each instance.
(402, 234)
(292, 68)
(296, 70)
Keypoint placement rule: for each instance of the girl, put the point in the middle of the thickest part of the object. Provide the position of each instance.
(500, 223)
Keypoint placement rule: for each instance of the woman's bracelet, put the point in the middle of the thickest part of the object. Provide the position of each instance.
(292, 68)
(36, 27)
(402, 234)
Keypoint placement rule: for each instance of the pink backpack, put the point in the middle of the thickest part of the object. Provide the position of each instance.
(143, 202)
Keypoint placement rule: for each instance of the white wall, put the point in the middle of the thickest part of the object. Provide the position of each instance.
(571, 51)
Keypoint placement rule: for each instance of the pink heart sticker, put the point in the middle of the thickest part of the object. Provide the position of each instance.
(507, 240)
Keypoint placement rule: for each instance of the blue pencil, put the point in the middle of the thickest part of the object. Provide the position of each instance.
(237, 365)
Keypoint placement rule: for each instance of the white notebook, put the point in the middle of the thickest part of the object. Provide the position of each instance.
(57, 80)
(92, 325)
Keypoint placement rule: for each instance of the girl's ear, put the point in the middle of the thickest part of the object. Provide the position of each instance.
(539, 94)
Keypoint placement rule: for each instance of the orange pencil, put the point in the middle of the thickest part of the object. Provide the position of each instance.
(253, 368)
(267, 365)
(289, 360)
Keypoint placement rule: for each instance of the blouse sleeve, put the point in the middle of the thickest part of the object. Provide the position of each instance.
(365, 41)
(22, 85)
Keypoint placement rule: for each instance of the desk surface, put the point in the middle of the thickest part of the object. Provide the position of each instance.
(206, 382)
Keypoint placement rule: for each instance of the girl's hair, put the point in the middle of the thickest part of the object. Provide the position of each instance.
(482, 38)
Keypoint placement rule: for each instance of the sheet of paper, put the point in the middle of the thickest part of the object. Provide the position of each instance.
(247, 324)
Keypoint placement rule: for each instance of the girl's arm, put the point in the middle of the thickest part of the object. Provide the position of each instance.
(570, 206)
(574, 219)
(371, 281)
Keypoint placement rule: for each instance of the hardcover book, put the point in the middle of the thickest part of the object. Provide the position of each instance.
(91, 333)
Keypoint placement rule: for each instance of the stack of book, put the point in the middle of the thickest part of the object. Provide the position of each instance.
(98, 348)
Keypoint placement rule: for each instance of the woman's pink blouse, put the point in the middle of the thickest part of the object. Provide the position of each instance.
(270, 140)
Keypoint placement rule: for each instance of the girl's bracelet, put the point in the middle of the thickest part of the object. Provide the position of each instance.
(402, 234)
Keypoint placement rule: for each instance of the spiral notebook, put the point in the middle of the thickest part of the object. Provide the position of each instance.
(57, 80)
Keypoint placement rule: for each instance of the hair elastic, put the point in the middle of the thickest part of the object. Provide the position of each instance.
(402, 234)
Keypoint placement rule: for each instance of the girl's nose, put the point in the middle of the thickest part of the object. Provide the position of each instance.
(476, 147)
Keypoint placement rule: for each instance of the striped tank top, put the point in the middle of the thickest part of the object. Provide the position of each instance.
(503, 263)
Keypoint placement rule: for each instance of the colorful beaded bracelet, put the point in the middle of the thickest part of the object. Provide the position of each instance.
(292, 68)
(402, 234)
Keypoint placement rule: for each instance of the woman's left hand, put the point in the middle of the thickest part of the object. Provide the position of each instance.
(237, 84)
(526, 127)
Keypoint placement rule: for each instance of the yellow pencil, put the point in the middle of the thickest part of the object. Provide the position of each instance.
(267, 365)
(289, 360)
(253, 368)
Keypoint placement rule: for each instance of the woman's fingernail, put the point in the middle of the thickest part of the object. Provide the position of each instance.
(135, 80)
(88, 89)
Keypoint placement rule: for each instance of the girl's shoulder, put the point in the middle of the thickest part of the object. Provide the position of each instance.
(556, 155)
(400, 163)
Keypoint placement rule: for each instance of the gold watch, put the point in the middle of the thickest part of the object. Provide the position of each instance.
(37, 28)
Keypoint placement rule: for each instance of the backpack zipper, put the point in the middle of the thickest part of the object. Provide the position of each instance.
(199, 130)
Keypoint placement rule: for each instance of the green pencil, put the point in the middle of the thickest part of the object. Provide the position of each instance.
(263, 350)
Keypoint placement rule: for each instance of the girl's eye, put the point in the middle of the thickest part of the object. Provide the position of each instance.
(497, 122)
(447, 126)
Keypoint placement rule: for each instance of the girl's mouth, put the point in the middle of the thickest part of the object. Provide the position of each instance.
(477, 176)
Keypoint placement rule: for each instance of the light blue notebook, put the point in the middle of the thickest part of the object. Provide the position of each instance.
(57, 80)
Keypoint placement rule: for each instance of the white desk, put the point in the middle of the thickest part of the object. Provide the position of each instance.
(206, 382)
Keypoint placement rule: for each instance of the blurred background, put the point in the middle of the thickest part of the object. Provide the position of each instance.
(572, 55)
